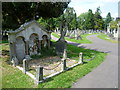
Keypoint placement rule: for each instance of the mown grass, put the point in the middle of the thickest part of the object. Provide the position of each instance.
(11, 76)
(66, 79)
(14, 78)
(84, 39)
(105, 37)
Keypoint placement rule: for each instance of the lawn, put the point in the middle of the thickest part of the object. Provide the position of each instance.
(84, 39)
(105, 37)
(14, 78)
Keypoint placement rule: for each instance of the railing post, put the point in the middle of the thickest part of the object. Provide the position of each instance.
(25, 65)
(65, 54)
(64, 64)
(81, 58)
(39, 74)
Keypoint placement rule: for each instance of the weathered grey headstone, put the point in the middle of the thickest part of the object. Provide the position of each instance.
(79, 37)
(60, 46)
(20, 48)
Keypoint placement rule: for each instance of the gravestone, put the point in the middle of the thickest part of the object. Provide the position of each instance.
(60, 46)
(20, 48)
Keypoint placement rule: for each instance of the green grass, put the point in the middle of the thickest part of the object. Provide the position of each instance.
(4, 41)
(11, 76)
(105, 37)
(66, 79)
(84, 39)
(14, 78)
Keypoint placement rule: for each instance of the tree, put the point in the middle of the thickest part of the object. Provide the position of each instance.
(99, 23)
(17, 13)
(82, 21)
(114, 24)
(108, 19)
(90, 20)
(70, 16)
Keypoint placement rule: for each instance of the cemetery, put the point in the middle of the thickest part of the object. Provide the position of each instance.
(29, 41)
(73, 53)
(47, 45)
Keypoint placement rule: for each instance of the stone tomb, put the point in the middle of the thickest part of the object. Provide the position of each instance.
(28, 40)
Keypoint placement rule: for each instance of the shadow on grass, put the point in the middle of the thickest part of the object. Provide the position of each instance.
(5, 52)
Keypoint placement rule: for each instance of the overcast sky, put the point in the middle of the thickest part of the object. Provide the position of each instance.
(106, 6)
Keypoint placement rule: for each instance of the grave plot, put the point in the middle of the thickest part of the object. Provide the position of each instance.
(50, 65)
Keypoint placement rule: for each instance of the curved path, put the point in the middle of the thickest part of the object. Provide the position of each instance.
(106, 74)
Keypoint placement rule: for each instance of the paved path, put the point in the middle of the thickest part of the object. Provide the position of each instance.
(106, 74)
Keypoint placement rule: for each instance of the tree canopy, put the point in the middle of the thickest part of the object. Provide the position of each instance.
(70, 16)
(99, 23)
(82, 20)
(90, 20)
(17, 13)
(108, 19)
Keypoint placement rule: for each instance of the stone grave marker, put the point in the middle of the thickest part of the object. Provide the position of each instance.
(60, 46)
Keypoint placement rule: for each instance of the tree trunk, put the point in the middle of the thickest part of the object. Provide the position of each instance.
(62, 37)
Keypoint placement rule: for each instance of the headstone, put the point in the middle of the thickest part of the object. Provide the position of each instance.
(79, 37)
(20, 48)
(60, 46)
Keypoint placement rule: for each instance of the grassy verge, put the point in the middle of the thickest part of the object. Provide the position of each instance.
(14, 78)
(105, 37)
(11, 76)
(84, 39)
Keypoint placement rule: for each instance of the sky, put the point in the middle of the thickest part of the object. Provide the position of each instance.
(106, 6)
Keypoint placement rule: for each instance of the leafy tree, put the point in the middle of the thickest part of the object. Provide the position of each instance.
(82, 21)
(108, 19)
(114, 24)
(99, 23)
(70, 16)
(17, 13)
(90, 20)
